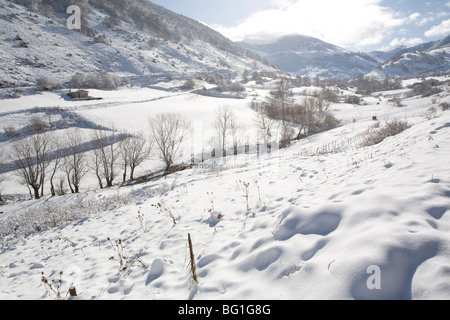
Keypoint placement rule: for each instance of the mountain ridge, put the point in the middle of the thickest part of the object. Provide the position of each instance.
(421, 60)
(308, 56)
(130, 38)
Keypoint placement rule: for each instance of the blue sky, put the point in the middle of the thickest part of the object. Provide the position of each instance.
(360, 25)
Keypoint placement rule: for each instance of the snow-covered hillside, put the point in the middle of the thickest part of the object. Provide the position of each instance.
(35, 46)
(311, 57)
(421, 60)
(321, 219)
(327, 217)
(415, 63)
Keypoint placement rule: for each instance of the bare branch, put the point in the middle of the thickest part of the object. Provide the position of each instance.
(75, 164)
(169, 131)
(31, 158)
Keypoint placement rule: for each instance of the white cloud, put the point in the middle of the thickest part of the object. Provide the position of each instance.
(425, 20)
(414, 16)
(405, 42)
(442, 14)
(397, 42)
(447, 4)
(346, 23)
(442, 29)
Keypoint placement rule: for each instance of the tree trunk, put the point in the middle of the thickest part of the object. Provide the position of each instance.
(70, 184)
(299, 134)
(52, 187)
(132, 173)
(124, 175)
(36, 193)
(100, 183)
(42, 189)
(167, 167)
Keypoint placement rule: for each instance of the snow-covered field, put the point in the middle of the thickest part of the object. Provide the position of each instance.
(321, 219)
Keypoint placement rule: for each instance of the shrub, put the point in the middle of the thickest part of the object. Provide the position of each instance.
(329, 122)
(112, 21)
(353, 100)
(368, 86)
(11, 132)
(376, 134)
(37, 124)
(189, 84)
(45, 84)
(102, 80)
(286, 136)
(431, 113)
(329, 95)
(230, 86)
(396, 101)
(424, 89)
(103, 39)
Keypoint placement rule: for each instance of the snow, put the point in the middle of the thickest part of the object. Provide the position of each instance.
(322, 213)
(322, 219)
(412, 64)
(55, 52)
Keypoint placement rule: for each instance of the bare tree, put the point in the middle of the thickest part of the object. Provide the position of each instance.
(310, 112)
(134, 150)
(75, 164)
(2, 177)
(169, 131)
(31, 158)
(281, 99)
(224, 121)
(234, 128)
(106, 153)
(285, 136)
(264, 123)
(96, 166)
(57, 155)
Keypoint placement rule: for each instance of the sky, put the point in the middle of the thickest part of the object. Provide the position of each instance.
(358, 25)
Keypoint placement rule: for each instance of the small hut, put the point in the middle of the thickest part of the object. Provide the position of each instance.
(81, 94)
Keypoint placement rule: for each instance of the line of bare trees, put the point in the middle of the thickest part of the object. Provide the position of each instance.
(229, 131)
(42, 157)
(309, 115)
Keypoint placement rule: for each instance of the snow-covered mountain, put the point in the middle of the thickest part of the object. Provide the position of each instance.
(428, 58)
(308, 56)
(131, 38)
(383, 56)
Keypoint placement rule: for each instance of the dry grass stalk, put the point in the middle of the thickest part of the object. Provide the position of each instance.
(192, 260)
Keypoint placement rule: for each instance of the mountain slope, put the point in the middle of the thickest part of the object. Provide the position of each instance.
(132, 38)
(424, 59)
(308, 56)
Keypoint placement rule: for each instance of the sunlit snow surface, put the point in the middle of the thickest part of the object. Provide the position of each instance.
(322, 212)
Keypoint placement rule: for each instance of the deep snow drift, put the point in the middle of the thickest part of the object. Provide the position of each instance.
(321, 219)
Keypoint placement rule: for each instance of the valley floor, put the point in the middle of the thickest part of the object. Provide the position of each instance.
(321, 219)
